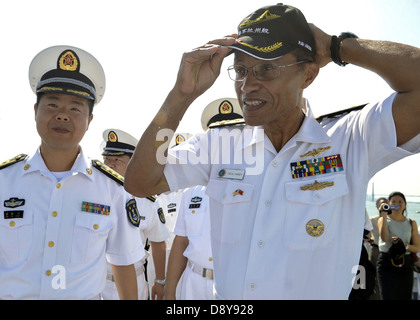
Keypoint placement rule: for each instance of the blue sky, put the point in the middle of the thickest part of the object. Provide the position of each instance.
(140, 44)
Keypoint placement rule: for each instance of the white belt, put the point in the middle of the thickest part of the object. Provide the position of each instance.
(204, 272)
(110, 276)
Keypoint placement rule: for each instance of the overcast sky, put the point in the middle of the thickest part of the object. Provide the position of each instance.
(140, 44)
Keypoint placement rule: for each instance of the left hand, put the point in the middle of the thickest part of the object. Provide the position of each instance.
(322, 43)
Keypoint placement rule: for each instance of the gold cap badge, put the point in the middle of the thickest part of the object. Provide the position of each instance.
(68, 61)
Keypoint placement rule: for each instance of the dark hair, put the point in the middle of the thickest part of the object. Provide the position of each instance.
(399, 194)
(90, 102)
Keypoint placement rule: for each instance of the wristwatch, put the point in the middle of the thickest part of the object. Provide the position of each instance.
(162, 282)
(335, 47)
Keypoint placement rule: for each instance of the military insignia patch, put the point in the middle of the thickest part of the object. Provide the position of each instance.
(112, 136)
(316, 166)
(17, 214)
(14, 203)
(95, 208)
(133, 213)
(315, 228)
(161, 215)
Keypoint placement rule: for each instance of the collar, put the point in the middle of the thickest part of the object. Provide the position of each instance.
(35, 163)
(310, 132)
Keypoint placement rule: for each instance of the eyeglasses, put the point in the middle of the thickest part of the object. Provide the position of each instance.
(263, 71)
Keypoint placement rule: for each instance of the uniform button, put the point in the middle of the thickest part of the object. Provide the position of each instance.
(54, 214)
(261, 243)
(252, 286)
(26, 167)
(48, 273)
(12, 223)
(95, 226)
(58, 185)
(317, 196)
(267, 203)
(51, 244)
(193, 211)
(210, 259)
(275, 164)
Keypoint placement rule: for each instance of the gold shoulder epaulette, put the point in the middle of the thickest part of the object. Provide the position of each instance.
(151, 198)
(340, 113)
(108, 171)
(14, 160)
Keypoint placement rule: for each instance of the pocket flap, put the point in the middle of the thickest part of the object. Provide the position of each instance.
(317, 191)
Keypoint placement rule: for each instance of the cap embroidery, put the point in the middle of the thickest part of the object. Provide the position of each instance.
(271, 48)
(266, 16)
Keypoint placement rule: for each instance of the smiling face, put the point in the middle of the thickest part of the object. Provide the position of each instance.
(61, 121)
(271, 103)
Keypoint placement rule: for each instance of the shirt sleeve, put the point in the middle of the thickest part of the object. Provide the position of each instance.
(124, 245)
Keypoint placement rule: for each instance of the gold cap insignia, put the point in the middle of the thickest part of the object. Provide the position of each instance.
(112, 136)
(315, 228)
(179, 139)
(68, 61)
(226, 107)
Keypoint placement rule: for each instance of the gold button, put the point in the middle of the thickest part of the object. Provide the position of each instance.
(58, 185)
(95, 226)
(48, 273)
(12, 223)
(51, 244)
(26, 167)
(193, 211)
(89, 171)
(54, 214)
(210, 259)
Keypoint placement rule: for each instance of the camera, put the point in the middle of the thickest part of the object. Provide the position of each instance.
(387, 208)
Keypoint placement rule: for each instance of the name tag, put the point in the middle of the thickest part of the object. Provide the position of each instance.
(236, 174)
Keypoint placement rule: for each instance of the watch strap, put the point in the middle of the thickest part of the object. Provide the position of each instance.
(335, 47)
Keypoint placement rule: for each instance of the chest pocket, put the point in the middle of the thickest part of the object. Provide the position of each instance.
(313, 211)
(16, 238)
(230, 203)
(90, 235)
(195, 220)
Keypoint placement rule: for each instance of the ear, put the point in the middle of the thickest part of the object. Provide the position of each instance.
(90, 119)
(35, 109)
(311, 72)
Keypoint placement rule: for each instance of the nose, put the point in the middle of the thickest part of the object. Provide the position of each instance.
(250, 83)
(61, 116)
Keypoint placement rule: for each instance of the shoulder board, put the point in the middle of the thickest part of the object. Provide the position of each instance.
(14, 160)
(151, 198)
(340, 113)
(108, 171)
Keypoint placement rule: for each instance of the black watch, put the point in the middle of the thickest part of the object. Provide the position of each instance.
(335, 47)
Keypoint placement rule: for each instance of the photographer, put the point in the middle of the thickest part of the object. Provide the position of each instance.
(398, 238)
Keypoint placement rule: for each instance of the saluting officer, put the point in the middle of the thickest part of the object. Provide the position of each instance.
(62, 214)
(191, 255)
(118, 149)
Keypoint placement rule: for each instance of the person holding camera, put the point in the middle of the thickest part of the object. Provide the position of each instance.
(398, 239)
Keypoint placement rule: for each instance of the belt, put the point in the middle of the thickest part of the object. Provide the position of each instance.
(204, 272)
(110, 276)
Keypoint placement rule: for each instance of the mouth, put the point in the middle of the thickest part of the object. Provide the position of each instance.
(253, 104)
(60, 130)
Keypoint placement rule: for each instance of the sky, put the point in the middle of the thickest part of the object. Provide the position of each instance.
(140, 46)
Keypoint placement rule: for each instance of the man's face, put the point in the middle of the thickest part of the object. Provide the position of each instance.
(62, 120)
(268, 102)
(117, 163)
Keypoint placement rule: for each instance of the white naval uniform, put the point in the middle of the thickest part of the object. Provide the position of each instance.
(194, 222)
(261, 246)
(151, 228)
(57, 251)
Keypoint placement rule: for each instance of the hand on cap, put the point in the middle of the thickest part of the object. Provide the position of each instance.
(200, 67)
(323, 43)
